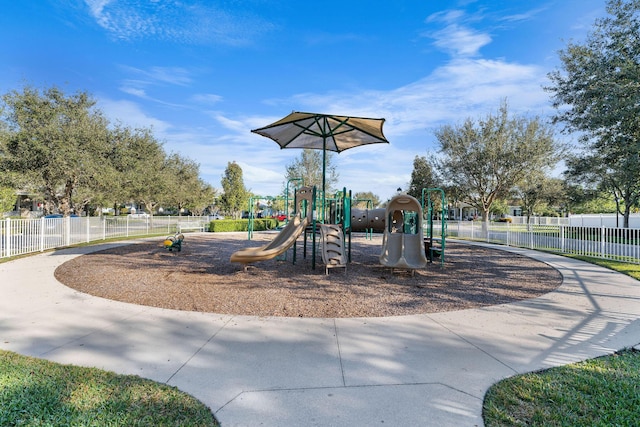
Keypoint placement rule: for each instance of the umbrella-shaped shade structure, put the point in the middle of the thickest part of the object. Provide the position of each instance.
(324, 132)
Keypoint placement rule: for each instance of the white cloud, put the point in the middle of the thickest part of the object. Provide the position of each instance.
(206, 98)
(130, 114)
(177, 76)
(459, 40)
(195, 22)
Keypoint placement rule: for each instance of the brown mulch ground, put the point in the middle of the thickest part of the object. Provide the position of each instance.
(201, 278)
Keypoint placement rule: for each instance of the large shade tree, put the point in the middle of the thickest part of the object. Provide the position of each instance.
(56, 142)
(484, 159)
(141, 165)
(596, 92)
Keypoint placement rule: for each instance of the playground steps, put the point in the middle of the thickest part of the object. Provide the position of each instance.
(333, 249)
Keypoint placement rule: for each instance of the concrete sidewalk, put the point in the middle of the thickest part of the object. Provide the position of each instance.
(431, 369)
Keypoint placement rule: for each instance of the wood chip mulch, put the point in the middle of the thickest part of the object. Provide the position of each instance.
(201, 278)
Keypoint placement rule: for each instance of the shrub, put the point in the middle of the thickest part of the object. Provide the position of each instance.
(226, 225)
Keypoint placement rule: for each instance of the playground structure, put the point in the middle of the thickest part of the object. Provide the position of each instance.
(333, 251)
(368, 220)
(287, 237)
(406, 245)
(434, 247)
(402, 241)
(174, 242)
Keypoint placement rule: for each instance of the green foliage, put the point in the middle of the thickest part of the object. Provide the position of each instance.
(423, 176)
(228, 225)
(235, 196)
(185, 189)
(8, 199)
(596, 94)
(58, 141)
(309, 167)
(536, 192)
(37, 392)
(61, 148)
(361, 199)
(485, 159)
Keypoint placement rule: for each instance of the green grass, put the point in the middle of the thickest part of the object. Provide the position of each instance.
(598, 392)
(629, 269)
(36, 392)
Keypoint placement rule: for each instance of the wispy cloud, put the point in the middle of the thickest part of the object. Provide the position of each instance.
(524, 16)
(458, 89)
(460, 40)
(131, 114)
(161, 75)
(206, 98)
(141, 81)
(457, 37)
(190, 22)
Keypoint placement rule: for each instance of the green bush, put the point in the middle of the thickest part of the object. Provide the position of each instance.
(226, 225)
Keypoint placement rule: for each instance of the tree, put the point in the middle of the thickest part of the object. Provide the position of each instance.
(201, 197)
(55, 141)
(422, 176)
(536, 192)
(141, 165)
(485, 160)
(309, 167)
(597, 94)
(183, 182)
(235, 195)
(8, 199)
(362, 197)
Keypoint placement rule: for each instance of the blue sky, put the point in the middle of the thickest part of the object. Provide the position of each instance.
(203, 73)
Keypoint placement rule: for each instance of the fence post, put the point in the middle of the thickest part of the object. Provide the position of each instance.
(531, 237)
(88, 229)
(508, 232)
(562, 248)
(127, 227)
(7, 237)
(43, 230)
(104, 227)
(602, 241)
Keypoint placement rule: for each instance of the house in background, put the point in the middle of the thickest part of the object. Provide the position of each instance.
(26, 206)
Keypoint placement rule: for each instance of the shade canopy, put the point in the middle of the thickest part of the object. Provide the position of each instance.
(326, 132)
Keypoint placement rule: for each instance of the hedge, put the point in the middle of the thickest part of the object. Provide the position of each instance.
(222, 225)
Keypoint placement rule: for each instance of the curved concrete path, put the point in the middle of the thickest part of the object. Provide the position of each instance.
(430, 369)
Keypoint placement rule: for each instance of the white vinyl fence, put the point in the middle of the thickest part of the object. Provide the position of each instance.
(618, 244)
(23, 236)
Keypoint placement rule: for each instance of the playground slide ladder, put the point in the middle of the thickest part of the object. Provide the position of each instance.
(333, 248)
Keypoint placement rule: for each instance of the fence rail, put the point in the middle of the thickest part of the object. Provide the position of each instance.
(24, 236)
(618, 244)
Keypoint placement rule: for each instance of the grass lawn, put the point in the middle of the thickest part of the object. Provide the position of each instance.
(598, 392)
(35, 392)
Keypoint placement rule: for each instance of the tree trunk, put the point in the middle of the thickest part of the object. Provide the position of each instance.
(485, 222)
